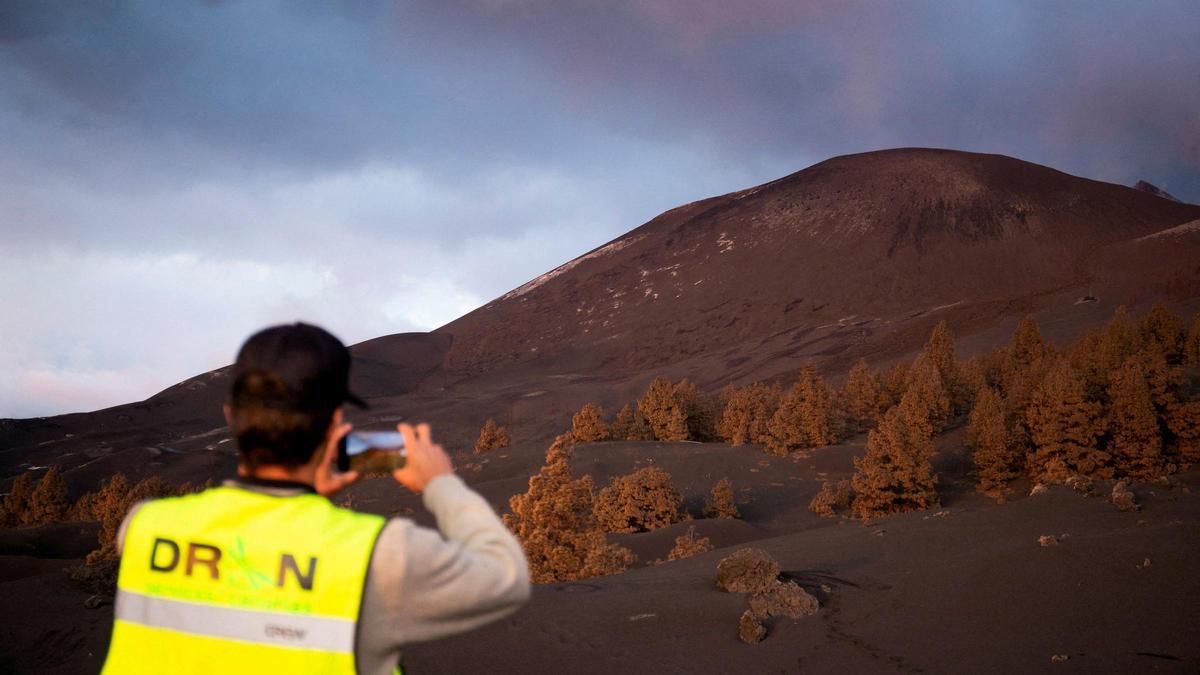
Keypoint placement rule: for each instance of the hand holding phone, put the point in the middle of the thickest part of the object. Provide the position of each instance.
(371, 451)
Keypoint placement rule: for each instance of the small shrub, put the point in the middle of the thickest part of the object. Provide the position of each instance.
(641, 501)
(688, 545)
(832, 498)
(747, 570)
(111, 506)
(491, 437)
(720, 501)
(587, 425)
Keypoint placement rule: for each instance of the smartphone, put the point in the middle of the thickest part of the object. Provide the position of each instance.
(368, 451)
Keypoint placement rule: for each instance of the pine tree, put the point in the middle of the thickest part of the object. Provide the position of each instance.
(699, 410)
(1163, 330)
(989, 439)
(1136, 441)
(491, 437)
(746, 417)
(926, 390)
(16, 502)
(1027, 345)
(639, 502)
(861, 397)
(895, 382)
(1183, 421)
(1065, 429)
(1191, 347)
(623, 426)
(896, 474)
(664, 412)
(720, 502)
(939, 353)
(48, 502)
(805, 417)
(587, 425)
(555, 524)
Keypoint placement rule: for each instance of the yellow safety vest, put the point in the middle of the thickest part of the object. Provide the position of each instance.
(234, 581)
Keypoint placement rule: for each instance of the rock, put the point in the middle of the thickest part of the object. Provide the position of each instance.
(1123, 498)
(1039, 489)
(748, 570)
(1059, 658)
(1047, 540)
(783, 599)
(750, 629)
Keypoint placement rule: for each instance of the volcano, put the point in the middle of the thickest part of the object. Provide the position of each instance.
(855, 257)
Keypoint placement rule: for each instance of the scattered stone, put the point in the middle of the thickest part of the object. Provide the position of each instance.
(1083, 485)
(1142, 523)
(1059, 658)
(750, 629)
(1039, 489)
(879, 533)
(1145, 563)
(826, 588)
(783, 599)
(1047, 540)
(748, 570)
(1123, 498)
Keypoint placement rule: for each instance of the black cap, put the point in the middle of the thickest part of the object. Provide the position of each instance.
(296, 367)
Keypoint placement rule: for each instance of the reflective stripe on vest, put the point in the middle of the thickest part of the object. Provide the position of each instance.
(236, 581)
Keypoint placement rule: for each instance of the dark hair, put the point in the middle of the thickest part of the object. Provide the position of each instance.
(276, 434)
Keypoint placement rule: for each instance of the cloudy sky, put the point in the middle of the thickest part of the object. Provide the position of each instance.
(176, 175)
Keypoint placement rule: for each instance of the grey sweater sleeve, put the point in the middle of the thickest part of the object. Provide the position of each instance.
(422, 586)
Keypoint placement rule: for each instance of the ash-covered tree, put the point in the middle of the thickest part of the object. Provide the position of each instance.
(805, 417)
(896, 473)
(115, 499)
(1191, 346)
(1098, 354)
(746, 417)
(939, 354)
(1065, 428)
(48, 501)
(638, 502)
(630, 426)
(1135, 439)
(1022, 367)
(587, 425)
(895, 382)
(663, 411)
(861, 397)
(16, 502)
(1163, 330)
(831, 498)
(928, 393)
(1183, 421)
(995, 459)
(491, 437)
(720, 502)
(699, 410)
(555, 524)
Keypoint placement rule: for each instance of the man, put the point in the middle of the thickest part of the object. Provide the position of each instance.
(263, 574)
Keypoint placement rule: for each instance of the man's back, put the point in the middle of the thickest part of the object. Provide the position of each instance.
(276, 538)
